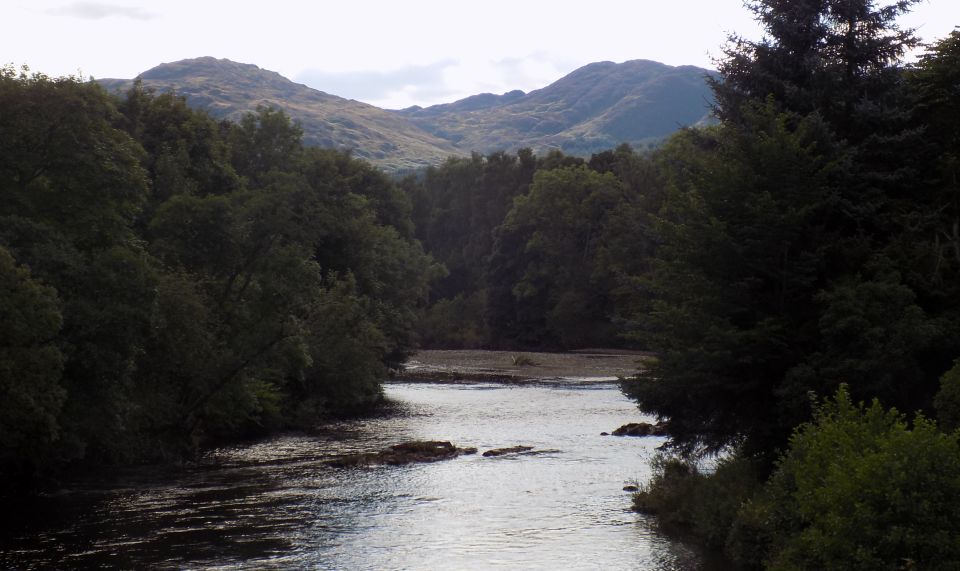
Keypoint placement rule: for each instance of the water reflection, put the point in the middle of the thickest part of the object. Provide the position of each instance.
(276, 504)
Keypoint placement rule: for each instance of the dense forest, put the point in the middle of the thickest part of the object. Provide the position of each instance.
(540, 252)
(808, 249)
(168, 280)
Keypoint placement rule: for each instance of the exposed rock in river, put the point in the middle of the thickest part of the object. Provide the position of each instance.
(502, 451)
(405, 453)
(642, 429)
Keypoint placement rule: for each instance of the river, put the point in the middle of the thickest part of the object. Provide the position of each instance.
(277, 504)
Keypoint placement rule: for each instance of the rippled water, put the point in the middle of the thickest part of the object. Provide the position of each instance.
(276, 504)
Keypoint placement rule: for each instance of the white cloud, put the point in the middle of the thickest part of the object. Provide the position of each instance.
(420, 81)
(443, 81)
(99, 11)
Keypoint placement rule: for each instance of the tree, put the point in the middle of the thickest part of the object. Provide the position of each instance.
(930, 243)
(185, 152)
(31, 365)
(457, 208)
(838, 59)
(834, 57)
(630, 238)
(947, 401)
(744, 228)
(265, 141)
(72, 187)
(64, 161)
(557, 294)
(166, 279)
(781, 268)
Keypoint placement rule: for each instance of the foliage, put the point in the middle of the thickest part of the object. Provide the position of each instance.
(688, 500)
(455, 323)
(556, 294)
(742, 258)
(539, 251)
(859, 488)
(457, 208)
(931, 241)
(188, 280)
(30, 367)
(835, 57)
(947, 401)
(796, 237)
(805, 243)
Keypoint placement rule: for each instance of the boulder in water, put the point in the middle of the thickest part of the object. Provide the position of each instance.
(642, 429)
(405, 453)
(502, 451)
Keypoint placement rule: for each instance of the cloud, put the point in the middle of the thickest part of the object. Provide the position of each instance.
(99, 11)
(534, 70)
(425, 82)
(442, 81)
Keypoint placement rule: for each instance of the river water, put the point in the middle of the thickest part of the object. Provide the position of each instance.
(277, 504)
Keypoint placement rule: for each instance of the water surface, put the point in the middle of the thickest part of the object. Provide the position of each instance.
(277, 504)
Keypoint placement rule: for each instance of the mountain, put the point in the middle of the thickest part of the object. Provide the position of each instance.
(228, 90)
(593, 108)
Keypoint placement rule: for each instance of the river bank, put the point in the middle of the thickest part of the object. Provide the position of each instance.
(464, 366)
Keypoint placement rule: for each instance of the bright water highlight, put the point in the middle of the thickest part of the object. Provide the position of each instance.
(277, 504)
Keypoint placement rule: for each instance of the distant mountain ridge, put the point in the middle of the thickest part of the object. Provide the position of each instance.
(228, 90)
(595, 107)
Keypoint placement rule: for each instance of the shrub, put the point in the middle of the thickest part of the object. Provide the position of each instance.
(947, 401)
(858, 489)
(704, 504)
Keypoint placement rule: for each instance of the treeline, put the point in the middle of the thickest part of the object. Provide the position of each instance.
(540, 252)
(167, 280)
(808, 247)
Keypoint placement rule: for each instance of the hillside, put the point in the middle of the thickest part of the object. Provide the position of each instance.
(228, 90)
(593, 108)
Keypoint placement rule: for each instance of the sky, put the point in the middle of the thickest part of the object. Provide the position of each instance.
(392, 54)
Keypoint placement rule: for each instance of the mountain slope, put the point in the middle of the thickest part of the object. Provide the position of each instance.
(593, 108)
(228, 90)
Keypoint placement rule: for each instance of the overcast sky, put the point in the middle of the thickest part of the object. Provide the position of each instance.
(389, 53)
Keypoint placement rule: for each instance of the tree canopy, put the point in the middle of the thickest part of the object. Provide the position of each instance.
(167, 280)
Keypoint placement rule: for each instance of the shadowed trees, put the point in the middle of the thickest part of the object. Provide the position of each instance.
(168, 280)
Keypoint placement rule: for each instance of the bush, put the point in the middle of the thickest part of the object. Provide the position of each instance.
(669, 492)
(947, 401)
(858, 489)
(688, 500)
